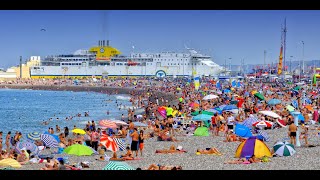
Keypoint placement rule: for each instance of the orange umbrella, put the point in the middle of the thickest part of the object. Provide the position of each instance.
(107, 124)
(309, 107)
(109, 143)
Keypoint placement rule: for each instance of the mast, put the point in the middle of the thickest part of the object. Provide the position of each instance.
(284, 43)
(280, 66)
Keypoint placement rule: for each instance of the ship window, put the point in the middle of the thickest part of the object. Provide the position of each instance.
(171, 63)
(202, 63)
(178, 63)
(175, 63)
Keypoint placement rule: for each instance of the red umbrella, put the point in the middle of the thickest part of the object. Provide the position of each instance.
(263, 124)
(281, 123)
(109, 143)
(107, 124)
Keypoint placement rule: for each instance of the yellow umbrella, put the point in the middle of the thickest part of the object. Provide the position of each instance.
(254, 92)
(10, 162)
(79, 131)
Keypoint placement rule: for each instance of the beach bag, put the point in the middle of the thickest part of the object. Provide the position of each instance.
(101, 151)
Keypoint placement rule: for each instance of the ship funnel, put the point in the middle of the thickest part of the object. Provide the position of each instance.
(107, 42)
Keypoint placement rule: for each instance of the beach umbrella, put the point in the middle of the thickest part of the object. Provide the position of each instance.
(78, 150)
(264, 135)
(78, 131)
(139, 124)
(226, 91)
(252, 146)
(210, 96)
(284, 149)
(118, 165)
(54, 136)
(109, 143)
(120, 143)
(120, 122)
(201, 131)
(249, 121)
(294, 103)
(9, 162)
(290, 108)
(297, 87)
(274, 101)
(270, 113)
(229, 107)
(33, 136)
(207, 112)
(202, 117)
(242, 131)
(49, 141)
(281, 122)
(309, 107)
(259, 96)
(107, 124)
(194, 105)
(214, 111)
(262, 124)
(27, 145)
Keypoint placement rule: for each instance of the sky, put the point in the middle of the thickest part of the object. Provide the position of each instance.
(226, 35)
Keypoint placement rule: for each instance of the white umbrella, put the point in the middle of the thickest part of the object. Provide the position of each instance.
(119, 122)
(210, 96)
(270, 113)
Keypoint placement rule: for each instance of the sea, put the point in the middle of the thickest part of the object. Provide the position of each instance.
(26, 110)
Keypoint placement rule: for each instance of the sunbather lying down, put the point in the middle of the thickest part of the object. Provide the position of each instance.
(212, 150)
(237, 161)
(172, 149)
(159, 167)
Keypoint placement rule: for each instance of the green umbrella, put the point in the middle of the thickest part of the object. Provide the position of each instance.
(194, 113)
(297, 88)
(117, 165)
(201, 131)
(290, 108)
(207, 112)
(259, 96)
(78, 150)
(284, 149)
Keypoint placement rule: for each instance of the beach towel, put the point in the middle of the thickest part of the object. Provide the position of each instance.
(180, 151)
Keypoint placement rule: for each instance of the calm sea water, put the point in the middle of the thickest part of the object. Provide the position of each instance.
(25, 110)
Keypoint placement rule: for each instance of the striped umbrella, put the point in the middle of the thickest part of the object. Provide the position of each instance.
(249, 121)
(284, 149)
(33, 136)
(107, 124)
(119, 122)
(120, 143)
(28, 145)
(53, 135)
(9, 162)
(117, 165)
(109, 143)
(49, 141)
(264, 135)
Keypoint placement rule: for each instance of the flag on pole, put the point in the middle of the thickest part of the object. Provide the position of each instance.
(197, 82)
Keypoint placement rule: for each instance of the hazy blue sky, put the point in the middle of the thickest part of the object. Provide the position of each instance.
(236, 34)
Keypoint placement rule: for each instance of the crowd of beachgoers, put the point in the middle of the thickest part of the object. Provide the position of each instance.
(167, 125)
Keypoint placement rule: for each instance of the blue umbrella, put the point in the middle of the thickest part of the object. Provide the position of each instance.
(229, 107)
(49, 141)
(242, 131)
(53, 135)
(226, 90)
(249, 121)
(294, 103)
(274, 101)
(202, 117)
(139, 124)
(263, 135)
(300, 116)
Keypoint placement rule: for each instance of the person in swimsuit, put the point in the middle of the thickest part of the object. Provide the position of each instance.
(292, 133)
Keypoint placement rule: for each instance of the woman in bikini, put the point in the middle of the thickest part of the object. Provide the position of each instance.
(212, 150)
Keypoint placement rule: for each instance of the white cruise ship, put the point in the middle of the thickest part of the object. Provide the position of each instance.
(106, 61)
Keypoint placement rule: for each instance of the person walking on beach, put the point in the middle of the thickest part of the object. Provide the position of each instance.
(292, 133)
(94, 139)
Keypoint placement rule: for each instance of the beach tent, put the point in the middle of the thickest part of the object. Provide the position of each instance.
(252, 146)
(242, 131)
(201, 131)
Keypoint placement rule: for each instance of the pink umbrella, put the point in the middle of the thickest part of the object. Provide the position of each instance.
(107, 124)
